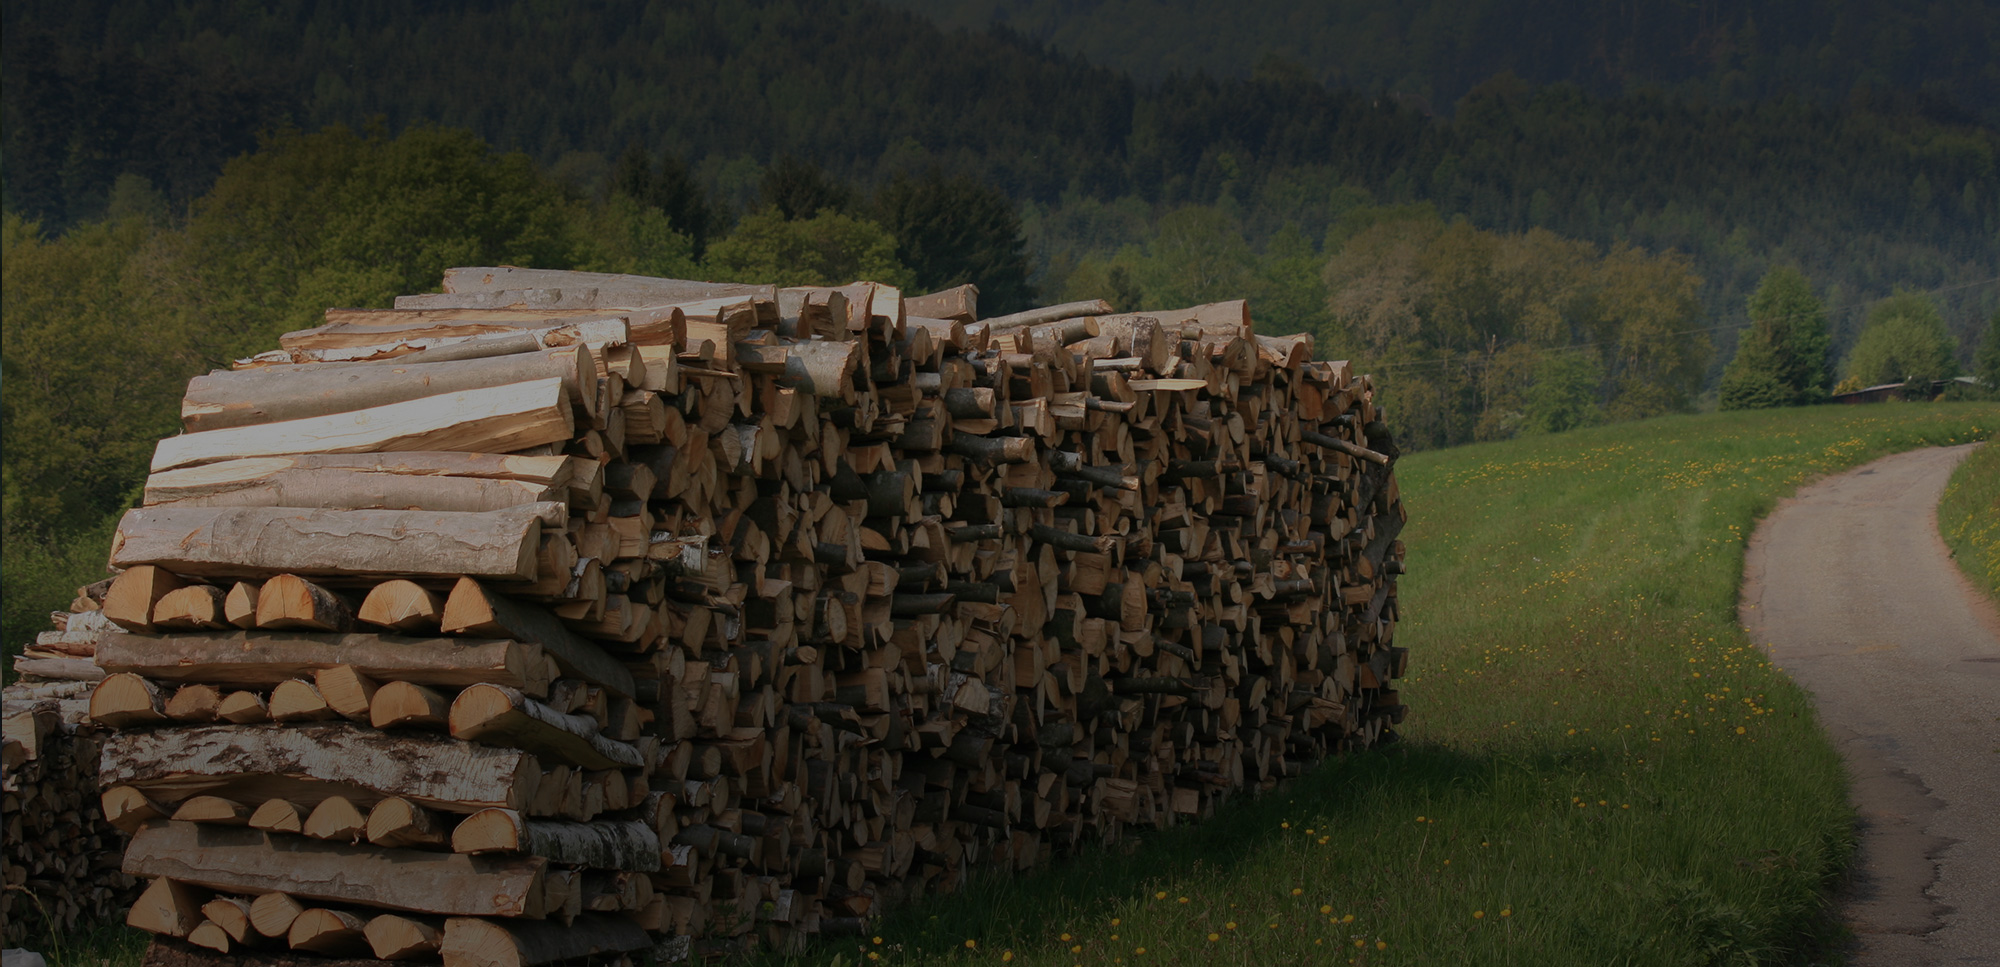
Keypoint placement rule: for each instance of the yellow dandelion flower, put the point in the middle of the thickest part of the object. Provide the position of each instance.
(1160, 895)
(1007, 957)
(1213, 937)
(1381, 945)
(1347, 919)
(1508, 912)
(1231, 925)
(1328, 908)
(1184, 899)
(1297, 891)
(1064, 938)
(1115, 921)
(1478, 914)
(1140, 951)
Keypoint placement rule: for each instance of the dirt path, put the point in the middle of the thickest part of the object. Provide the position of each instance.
(1850, 587)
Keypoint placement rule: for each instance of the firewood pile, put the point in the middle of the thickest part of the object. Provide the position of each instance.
(564, 615)
(61, 858)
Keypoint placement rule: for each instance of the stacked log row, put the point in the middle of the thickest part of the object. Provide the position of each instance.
(61, 858)
(562, 614)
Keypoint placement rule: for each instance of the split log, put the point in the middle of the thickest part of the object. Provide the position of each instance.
(219, 479)
(493, 420)
(255, 763)
(498, 715)
(603, 845)
(255, 542)
(473, 609)
(395, 937)
(197, 607)
(125, 700)
(336, 819)
(250, 861)
(279, 816)
(268, 658)
(288, 602)
(167, 907)
(225, 399)
(136, 593)
(399, 822)
(402, 606)
(272, 914)
(405, 705)
(253, 482)
(322, 931)
(213, 809)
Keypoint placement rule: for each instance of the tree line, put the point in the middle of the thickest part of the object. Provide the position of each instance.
(1865, 189)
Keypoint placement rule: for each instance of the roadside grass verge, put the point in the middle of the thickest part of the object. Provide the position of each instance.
(1969, 518)
(1598, 767)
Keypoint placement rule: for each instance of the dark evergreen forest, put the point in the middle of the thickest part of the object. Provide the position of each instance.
(1878, 187)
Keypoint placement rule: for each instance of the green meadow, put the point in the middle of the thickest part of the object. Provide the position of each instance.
(1598, 768)
(1969, 518)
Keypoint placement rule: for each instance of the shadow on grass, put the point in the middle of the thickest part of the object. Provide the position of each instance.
(997, 908)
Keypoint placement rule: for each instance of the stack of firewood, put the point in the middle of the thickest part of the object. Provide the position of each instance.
(562, 615)
(61, 859)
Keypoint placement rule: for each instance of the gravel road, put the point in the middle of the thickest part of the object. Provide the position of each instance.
(1856, 597)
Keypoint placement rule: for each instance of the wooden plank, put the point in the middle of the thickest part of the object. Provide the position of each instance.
(254, 542)
(267, 658)
(495, 419)
(252, 763)
(243, 860)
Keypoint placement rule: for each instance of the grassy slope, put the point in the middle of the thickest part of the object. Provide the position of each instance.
(1969, 518)
(1599, 769)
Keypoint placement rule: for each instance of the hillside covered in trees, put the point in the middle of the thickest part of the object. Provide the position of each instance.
(1882, 186)
(1752, 50)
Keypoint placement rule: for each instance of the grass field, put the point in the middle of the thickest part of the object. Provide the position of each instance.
(1597, 769)
(1969, 518)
